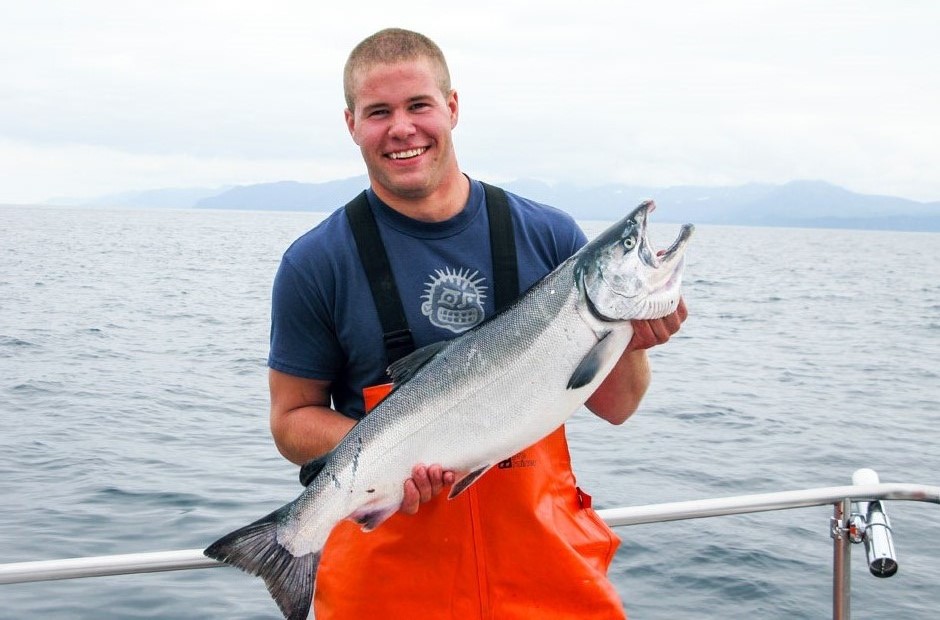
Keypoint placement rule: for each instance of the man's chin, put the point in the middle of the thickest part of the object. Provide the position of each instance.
(408, 189)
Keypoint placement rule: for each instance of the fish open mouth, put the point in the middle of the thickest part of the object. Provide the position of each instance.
(678, 246)
(669, 262)
(674, 252)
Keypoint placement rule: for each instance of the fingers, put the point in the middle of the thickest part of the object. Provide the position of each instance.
(428, 481)
(682, 310)
(425, 484)
(411, 500)
(652, 332)
(643, 337)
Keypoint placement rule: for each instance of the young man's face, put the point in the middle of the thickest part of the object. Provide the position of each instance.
(402, 122)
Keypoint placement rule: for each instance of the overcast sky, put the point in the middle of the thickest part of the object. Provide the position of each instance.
(101, 96)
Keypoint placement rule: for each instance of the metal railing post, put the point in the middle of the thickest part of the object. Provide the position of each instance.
(841, 560)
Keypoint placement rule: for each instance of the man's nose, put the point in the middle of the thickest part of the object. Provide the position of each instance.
(401, 126)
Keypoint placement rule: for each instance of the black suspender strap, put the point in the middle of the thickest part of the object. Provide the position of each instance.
(397, 335)
(503, 248)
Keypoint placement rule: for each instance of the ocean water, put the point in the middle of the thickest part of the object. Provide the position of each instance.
(133, 408)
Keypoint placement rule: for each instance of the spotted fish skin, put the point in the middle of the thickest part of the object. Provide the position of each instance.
(470, 402)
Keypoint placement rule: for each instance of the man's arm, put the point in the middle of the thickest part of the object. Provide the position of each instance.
(304, 427)
(619, 395)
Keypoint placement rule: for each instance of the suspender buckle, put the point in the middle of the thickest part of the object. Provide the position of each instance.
(398, 343)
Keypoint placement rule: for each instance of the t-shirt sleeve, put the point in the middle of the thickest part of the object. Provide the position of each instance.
(567, 235)
(303, 341)
(576, 238)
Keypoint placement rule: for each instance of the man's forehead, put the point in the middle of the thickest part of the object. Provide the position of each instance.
(410, 66)
(374, 84)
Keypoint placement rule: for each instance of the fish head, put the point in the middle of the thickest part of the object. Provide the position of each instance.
(620, 277)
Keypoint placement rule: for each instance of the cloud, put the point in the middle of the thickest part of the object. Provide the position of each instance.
(83, 171)
(673, 92)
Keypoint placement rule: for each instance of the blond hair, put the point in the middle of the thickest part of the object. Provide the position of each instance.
(390, 46)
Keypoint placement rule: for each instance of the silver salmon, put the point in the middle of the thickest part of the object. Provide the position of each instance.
(471, 402)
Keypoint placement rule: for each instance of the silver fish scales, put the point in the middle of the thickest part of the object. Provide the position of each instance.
(470, 402)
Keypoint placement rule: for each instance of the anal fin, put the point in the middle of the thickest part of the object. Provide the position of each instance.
(371, 518)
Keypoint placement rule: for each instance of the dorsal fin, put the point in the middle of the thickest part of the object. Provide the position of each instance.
(405, 368)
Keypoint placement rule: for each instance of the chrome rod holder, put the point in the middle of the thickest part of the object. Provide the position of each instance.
(861, 521)
(871, 526)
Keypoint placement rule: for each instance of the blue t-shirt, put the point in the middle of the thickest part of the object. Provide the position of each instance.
(324, 324)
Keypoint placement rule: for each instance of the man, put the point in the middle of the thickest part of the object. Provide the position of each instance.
(522, 541)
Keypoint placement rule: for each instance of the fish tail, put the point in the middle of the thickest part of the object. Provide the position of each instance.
(254, 549)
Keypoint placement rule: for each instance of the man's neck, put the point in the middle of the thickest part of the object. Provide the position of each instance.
(446, 201)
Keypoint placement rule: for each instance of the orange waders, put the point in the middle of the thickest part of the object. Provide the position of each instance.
(521, 542)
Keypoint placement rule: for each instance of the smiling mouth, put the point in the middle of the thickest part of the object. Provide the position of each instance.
(407, 154)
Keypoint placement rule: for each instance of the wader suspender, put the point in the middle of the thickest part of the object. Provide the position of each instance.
(372, 253)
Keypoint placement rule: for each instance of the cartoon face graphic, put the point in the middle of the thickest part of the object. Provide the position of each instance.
(454, 299)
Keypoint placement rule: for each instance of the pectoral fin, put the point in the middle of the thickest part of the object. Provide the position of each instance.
(591, 363)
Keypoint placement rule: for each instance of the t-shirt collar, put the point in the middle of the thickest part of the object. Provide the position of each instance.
(430, 230)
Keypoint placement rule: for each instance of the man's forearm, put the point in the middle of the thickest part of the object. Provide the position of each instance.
(308, 432)
(619, 396)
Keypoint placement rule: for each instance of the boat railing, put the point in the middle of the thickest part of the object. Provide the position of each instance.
(859, 516)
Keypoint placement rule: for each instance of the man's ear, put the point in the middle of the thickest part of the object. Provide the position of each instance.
(350, 117)
(454, 106)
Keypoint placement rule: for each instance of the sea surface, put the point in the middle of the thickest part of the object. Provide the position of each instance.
(133, 409)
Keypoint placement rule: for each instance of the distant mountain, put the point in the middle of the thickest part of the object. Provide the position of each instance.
(801, 203)
(814, 204)
(287, 196)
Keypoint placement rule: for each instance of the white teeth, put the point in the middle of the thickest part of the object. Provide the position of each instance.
(407, 154)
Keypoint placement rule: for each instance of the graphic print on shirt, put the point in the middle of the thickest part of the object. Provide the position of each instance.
(454, 299)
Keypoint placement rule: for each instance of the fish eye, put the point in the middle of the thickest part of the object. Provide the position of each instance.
(629, 243)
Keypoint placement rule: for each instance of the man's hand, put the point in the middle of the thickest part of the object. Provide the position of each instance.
(620, 394)
(652, 332)
(425, 483)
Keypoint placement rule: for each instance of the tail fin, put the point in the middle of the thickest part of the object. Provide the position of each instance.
(254, 549)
